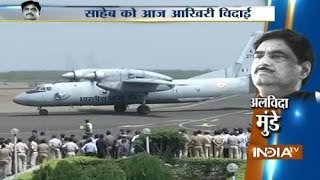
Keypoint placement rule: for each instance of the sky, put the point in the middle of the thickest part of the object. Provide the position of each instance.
(67, 45)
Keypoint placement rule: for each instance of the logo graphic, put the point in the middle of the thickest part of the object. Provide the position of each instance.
(275, 152)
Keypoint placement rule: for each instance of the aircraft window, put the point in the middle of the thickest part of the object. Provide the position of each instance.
(37, 90)
(49, 88)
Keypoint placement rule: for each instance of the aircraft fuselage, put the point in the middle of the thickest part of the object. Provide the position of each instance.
(88, 93)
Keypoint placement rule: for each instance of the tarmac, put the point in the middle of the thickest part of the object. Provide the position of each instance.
(221, 112)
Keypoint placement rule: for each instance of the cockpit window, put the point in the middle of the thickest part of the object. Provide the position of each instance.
(37, 90)
(48, 88)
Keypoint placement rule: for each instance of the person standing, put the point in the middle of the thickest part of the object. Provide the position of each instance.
(197, 142)
(218, 144)
(55, 145)
(70, 147)
(89, 149)
(9, 145)
(35, 135)
(88, 127)
(33, 152)
(43, 151)
(243, 141)
(111, 141)
(22, 151)
(183, 152)
(233, 143)
(5, 155)
(102, 147)
(207, 144)
(123, 146)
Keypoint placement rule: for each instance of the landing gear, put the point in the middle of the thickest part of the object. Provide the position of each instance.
(120, 108)
(43, 112)
(143, 109)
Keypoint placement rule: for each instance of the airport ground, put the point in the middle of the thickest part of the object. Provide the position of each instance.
(221, 112)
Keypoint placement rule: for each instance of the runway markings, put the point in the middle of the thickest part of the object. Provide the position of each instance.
(135, 125)
(206, 125)
(196, 104)
(179, 120)
(162, 125)
(248, 113)
(182, 125)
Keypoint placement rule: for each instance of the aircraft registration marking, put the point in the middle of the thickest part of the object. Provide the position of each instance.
(111, 98)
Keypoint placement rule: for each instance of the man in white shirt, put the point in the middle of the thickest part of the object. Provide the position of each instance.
(70, 147)
(55, 145)
(207, 144)
(88, 127)
(22, 151)
(9, 145)
(233, 143)
(136, 136)
(282, 64)
(242, 144)
(183, 153)
(95, 138)
(218, 144)
(33, 152)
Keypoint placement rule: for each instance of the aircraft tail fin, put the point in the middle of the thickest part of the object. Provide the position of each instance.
(242, 67)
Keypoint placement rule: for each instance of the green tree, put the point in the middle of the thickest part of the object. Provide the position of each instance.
(84, 168)
(164, 143)
(146, 167)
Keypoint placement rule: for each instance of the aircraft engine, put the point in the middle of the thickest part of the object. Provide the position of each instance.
(95, 76)
(74, 75)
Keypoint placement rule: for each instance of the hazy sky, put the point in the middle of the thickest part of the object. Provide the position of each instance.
(50, 46)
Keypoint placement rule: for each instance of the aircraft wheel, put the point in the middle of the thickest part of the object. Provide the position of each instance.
(143, 110)
(43, 112)
(120, 108)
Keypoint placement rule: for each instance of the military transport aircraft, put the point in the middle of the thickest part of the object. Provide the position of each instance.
(122, 87)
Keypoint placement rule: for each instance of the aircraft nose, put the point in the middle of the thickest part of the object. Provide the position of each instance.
(20, 99)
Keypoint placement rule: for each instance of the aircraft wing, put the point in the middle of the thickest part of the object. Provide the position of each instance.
(153, 81)
(137, 85)
(144, 81)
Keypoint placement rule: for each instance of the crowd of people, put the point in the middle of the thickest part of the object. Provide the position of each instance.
(221, 144)
(40, 147)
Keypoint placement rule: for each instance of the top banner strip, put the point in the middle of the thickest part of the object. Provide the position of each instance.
(144, 13)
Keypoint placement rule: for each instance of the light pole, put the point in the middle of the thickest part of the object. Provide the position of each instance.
(15, 132)
(147, 131)
(232, 168)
